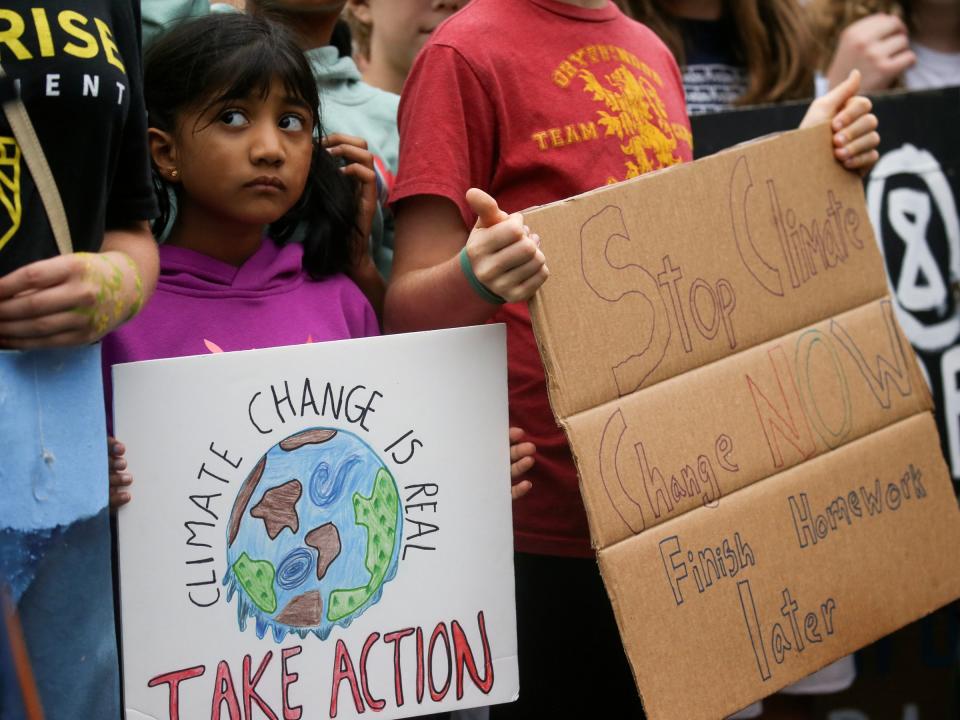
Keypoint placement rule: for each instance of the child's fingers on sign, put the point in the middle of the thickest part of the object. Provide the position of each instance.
(854, 126)
(521, 460)
(506, 258)
(119, 478)
(486, 208)
(520, 489)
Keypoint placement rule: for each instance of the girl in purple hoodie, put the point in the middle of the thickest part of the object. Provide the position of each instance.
(268, 246)
(232, 110)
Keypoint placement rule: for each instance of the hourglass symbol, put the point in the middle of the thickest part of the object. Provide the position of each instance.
(10, 186)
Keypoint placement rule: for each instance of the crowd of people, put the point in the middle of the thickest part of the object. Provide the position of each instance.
(306, 185)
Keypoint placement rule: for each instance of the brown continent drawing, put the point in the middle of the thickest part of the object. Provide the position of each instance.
(243, 497)
(303, 611)
(278, 508)
(326, 541)
(307, 437)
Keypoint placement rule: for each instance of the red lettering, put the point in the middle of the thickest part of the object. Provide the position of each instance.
(419, 665)
(372, 702)
(286, 680)
(250, 694)
(173, 680)
(396, 637)
(788, 422)
(224, 692)
(440, 631)
(343, 670)
(464, 656)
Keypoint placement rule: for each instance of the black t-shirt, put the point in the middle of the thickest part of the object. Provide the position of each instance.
(713, 75)
(76, 65)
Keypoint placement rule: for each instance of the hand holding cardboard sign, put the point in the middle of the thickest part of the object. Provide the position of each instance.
(521, 460)
(855, 136)
(120, 480)
(671, 474)
(505, 257)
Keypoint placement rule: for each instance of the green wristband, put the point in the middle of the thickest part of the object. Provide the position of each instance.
(475, 283)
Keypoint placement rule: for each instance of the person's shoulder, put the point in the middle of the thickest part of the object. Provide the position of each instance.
(643, 33)
(384, 101)
(341, 79)
(645, 43)
(360, 109)
(462, 30)
(475, 36)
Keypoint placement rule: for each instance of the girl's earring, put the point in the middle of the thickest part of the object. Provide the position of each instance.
(174, 173)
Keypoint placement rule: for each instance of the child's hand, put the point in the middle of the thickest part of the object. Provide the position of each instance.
(358, 164)
(877, 45)
(855, 136)
(119, 479)
(363, 270)
(521, 460)
(506, 259)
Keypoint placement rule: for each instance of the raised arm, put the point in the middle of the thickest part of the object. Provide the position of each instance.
(431, 286)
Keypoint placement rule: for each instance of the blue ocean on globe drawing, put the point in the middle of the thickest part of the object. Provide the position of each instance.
(313, 536)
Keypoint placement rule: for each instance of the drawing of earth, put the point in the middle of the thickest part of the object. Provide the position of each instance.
(313, 536)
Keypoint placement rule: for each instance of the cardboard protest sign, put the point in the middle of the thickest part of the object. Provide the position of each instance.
(318, 531)
(912, 202)
(757, 456)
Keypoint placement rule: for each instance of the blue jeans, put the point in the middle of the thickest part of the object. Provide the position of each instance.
(68, 621)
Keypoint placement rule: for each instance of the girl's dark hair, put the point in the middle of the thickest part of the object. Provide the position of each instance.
(211, 60)
(342, 38)
(774, 43)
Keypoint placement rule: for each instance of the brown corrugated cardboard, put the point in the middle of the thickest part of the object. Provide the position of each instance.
(817, 561)
(689, 441)
(757, 457)
(670, 271)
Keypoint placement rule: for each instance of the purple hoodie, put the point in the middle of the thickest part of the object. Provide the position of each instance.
(203, 305)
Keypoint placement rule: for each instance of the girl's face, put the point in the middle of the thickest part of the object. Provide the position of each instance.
(246, 160)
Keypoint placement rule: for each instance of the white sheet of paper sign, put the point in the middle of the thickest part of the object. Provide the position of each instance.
(318, 531)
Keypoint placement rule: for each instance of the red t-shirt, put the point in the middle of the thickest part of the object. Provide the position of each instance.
(535, 101)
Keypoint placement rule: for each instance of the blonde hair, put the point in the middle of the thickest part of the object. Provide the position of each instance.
(774, 43)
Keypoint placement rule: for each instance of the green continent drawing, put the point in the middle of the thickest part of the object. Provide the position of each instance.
(379, 513)
(256, 577)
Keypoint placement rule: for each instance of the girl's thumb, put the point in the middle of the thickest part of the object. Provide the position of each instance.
(486, 208)
(837, 98)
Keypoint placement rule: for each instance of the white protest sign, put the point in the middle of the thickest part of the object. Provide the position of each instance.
(318, 531)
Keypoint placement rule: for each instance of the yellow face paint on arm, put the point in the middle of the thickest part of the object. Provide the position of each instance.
(118, 295)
